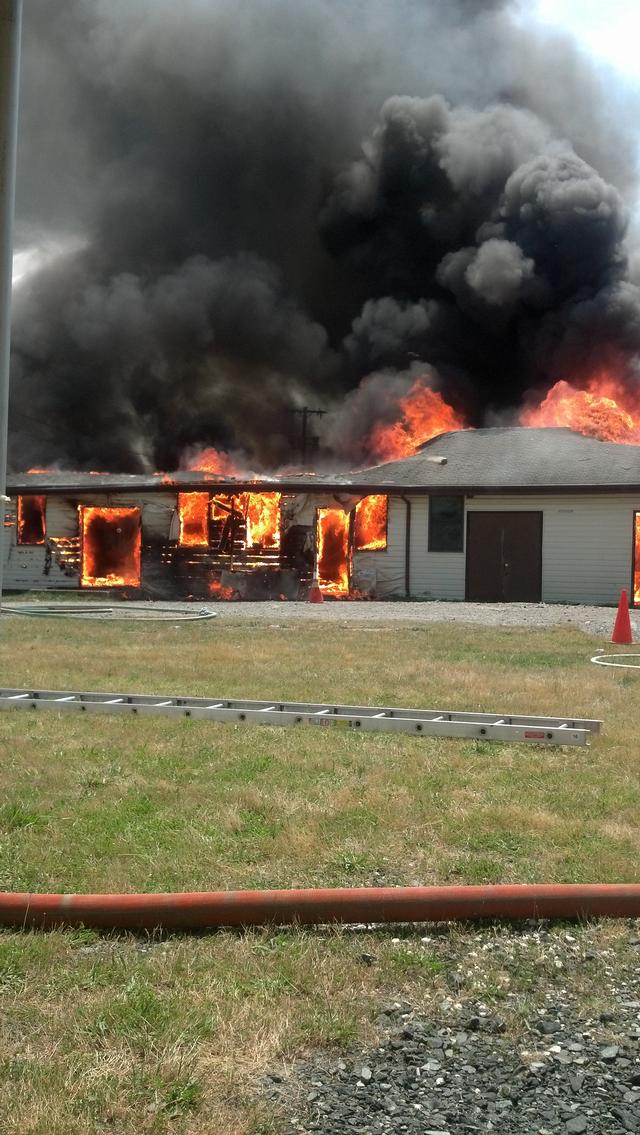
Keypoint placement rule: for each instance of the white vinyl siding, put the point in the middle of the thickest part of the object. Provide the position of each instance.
(385, 569)
(587, 543)
(587, 547)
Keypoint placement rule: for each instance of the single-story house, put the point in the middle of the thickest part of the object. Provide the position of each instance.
(504, 514)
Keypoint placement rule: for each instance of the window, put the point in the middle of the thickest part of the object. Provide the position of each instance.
(31, 519)
(446, 524)
(370, 527)
(193, 511)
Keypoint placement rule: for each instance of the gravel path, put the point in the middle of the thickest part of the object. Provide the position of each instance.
(566, 1065)
(592, 620)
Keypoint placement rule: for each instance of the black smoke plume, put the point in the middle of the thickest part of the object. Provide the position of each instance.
(262, 205)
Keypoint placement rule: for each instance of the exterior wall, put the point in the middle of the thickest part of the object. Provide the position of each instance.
(587, 552)
(56, 563)
(587, 543)
(31, 567)
(434, 575)
(587, 548)
(384, 570)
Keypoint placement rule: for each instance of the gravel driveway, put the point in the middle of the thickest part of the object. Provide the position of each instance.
(592, 620)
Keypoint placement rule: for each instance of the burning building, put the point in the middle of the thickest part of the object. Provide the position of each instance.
(507, 514)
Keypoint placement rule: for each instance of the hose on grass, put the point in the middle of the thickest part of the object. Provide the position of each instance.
(95, 612)
(368, 905)
(604, 660)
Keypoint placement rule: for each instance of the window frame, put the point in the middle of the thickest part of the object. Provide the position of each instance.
(430, 527)
(19, 511)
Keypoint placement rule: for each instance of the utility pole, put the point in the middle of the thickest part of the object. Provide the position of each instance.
(10, 32)
(306, 413)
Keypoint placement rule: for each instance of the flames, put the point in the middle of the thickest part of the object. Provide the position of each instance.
(217, 590)
(262, 512)
(370, 524)
(110, 547)
(422, 414)
(332, 551)
(212, 460)
(193, 512)
(603, 409)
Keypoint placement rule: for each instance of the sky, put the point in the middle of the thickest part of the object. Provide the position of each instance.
(608, 30)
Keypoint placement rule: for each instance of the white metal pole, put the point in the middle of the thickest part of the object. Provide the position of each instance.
(10, 30)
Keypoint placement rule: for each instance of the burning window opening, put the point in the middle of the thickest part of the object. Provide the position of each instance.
(32, 525)
(253, 517)
(193, 511)
(262, 513)
(370, 524)
(111, 541)
(332, 551)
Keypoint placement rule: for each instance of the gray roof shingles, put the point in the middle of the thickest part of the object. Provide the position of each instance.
(507, 458)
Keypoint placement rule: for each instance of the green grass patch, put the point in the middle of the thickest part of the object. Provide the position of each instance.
(120, 1033)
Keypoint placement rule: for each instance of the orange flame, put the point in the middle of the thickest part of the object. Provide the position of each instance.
(193, 511)
(220, 508)
(370, 527)
(423, 414)
(31, 519)
(214, 461)
(332, 540)
(262, 511)
(110, 547)
(217, 590)
(604, 410)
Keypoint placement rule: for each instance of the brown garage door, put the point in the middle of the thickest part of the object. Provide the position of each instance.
(504, 557)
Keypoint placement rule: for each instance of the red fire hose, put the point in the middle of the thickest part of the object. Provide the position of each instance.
(206, 910)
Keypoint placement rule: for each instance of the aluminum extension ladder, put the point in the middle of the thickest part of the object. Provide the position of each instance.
(426, 722)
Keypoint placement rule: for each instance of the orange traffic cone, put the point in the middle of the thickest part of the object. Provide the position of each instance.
(315, 592)
(622, 626)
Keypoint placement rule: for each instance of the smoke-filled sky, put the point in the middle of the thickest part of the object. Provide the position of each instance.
(230, 209)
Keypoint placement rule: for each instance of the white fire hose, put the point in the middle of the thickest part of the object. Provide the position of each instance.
(605, 660)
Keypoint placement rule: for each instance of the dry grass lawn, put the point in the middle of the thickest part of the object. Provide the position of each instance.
(121, 1033)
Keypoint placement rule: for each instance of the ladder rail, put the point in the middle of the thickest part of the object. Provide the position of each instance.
(426, 723)
(319, 708)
